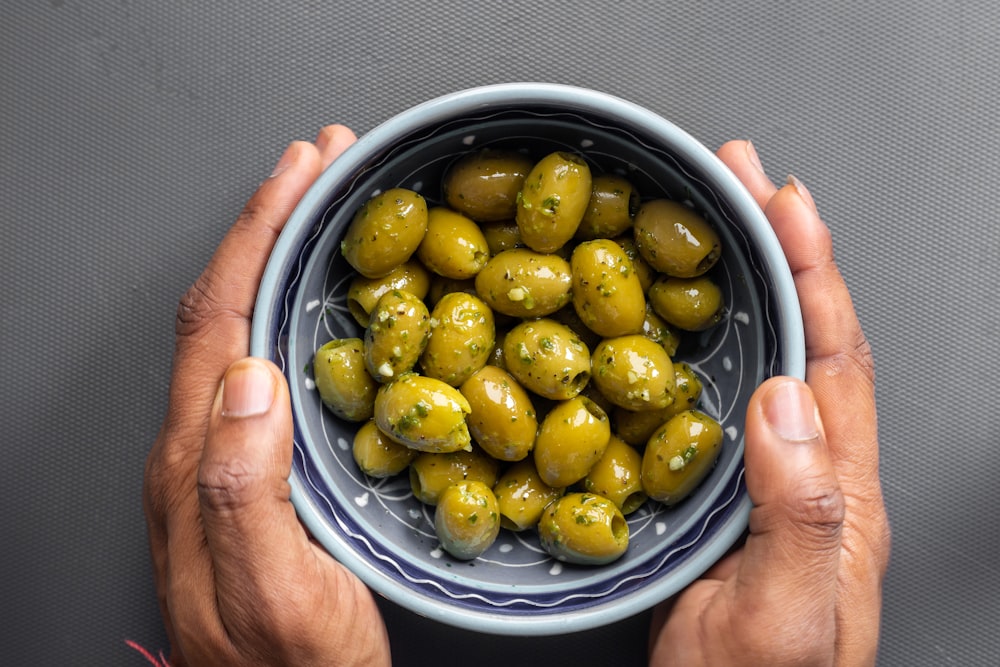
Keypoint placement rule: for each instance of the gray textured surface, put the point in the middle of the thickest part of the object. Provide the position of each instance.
(132, 133)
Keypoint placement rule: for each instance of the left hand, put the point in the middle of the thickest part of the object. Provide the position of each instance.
(239, 580)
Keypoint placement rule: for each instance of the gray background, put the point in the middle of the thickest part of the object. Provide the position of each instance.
(132, 133)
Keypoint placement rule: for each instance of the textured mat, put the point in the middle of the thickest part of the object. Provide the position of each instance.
(132, 133)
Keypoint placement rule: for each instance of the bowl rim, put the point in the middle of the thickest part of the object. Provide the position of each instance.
(511, 96)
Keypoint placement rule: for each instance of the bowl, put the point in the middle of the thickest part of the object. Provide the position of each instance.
(375, 527)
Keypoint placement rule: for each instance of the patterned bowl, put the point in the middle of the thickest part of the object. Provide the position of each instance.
(376, 527)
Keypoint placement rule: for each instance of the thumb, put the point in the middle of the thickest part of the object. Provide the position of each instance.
(788, 572)
(256, 541)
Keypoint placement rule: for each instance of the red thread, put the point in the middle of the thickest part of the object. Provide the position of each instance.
(155, 660)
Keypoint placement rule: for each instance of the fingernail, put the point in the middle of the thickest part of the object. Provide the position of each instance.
(287, 158)
(247, 390)
(802, 190)
(791, 412)
(754, 157)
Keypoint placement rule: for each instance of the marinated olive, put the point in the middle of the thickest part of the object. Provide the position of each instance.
(636, 427)
(658, 331)
(617, 476)
(467, 519)
(583, 528)
(385, 232)
(679, 455)
(502, 419)
(431, 473)
(363, 293)
(613, 202)
(342, 381)
(607, 294)
(441, 286)
(523, 496)
(692, 304)
(484, 184)
(547, 358)
(633, 372)
(571, 439)
(454, 246)
(675, 240)
(525, 283)
(687, 386)
(553, 200)
(377, 455)
(646, 273)
(502, 235)
(462, 337)
(396, 336)
(423, 413)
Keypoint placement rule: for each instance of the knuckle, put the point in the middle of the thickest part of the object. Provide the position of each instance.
(820, 510)
(200, 306)
(228, 486)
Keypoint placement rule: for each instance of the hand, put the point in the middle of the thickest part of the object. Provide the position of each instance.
(806, 587)
(239, 580)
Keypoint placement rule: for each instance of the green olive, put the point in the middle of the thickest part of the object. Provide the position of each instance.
(687, 386)
(568, 317)
(553, 200)
(441, 286)
(502, 420)
(523, 496)
(617, 476)
(502, 235)
(454, 246)
(571, 439)
(675, 240)
(613, 202)
(646, 273)
(583, 528)
(658, 331)
(633, 372)
(691, 304)
(385, 232)
(467, 519)
(496, 357)
(423, 413)
(431, 473)
(363, 293)
(463, 334)
(524, 283)
(397, 334)
(607, 294)
(377, 455)
(636, 427)
(342, 380)
(547, 358)
(679, 455)
(484, 184)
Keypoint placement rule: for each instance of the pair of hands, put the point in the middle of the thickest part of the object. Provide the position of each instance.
(240, 581)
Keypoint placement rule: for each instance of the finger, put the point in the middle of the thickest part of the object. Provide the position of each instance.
(839, 363)
(742, 159)
(213, 317)
(332, 141)
(797, 519)
(251, 529)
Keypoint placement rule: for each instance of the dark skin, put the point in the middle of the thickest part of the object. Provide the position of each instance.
(241, 582)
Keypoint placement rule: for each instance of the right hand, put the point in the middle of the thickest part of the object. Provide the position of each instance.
(806, 588)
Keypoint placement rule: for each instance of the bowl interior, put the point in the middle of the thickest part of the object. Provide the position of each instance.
(386, 536)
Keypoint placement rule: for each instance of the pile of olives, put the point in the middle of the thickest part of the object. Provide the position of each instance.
(518, 351)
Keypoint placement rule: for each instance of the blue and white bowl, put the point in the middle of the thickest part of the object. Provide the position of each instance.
(376, 527)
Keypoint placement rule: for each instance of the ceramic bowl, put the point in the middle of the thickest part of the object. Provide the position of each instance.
(376, 527)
